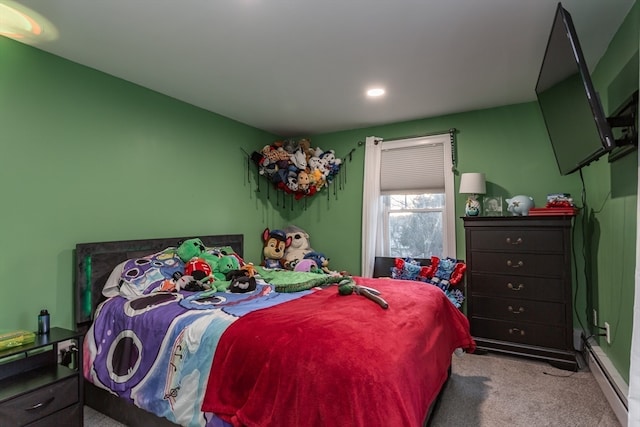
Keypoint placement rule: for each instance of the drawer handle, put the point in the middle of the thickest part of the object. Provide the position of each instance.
(518, 241)
(519, 288)
(41, 404)
(515, 265)
(518, 311)
(516, 331)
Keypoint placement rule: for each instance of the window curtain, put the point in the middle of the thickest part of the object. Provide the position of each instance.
(371, 227)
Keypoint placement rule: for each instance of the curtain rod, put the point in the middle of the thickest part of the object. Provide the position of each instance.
(451, 132)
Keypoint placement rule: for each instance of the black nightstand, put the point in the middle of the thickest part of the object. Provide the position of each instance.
(35, 390)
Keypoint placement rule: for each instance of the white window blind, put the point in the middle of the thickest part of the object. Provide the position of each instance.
(412, 166)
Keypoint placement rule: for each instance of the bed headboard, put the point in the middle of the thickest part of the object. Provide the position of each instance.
(382, 266)
(95, 261)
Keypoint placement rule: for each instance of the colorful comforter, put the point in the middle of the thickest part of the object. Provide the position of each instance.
(155, 350)
(281, 359)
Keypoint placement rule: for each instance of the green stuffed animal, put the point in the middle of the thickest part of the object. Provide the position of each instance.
(194, 248)
(190, 248)
(225, 264)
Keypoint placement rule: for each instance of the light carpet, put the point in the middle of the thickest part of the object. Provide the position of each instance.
(493, 391)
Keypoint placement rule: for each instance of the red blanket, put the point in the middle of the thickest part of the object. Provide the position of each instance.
(329, 359)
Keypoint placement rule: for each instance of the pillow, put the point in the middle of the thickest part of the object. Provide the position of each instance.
(112, 285)
(408, 269)
(444, 273)
(145, 275)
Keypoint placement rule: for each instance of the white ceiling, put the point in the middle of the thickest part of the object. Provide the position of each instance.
(301, 67)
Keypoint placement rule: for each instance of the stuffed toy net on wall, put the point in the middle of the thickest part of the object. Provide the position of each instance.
(296, 168)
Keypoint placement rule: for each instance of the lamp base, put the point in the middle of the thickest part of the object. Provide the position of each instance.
(472, 207)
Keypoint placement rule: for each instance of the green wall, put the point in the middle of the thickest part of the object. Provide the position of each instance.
(611, 221)
(88, 157)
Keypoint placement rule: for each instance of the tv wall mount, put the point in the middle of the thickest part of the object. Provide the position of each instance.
(624, 124)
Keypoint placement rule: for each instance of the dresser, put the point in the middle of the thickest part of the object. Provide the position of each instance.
(519, 286)
(35, 390)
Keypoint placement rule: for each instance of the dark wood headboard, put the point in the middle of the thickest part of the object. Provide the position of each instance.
(94, 262)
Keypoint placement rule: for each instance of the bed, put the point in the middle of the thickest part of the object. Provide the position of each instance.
(268, 357)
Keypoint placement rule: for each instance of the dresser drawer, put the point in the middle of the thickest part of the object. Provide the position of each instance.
(68, 417)
(520, 332)
(519, 310)
(39, 403)
(517, 240)
(544, 289)
(519, 264)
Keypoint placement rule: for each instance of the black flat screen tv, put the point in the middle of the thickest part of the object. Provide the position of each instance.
(572, 112)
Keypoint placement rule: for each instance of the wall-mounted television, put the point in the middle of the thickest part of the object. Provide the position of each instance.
(579, 131)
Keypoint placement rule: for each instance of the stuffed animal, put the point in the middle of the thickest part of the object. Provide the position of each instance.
(275, 243)
(303, 180)
(321, 261)
(299, 246)
(177, 282)
(190, 248)
(305, 146)
(247, 270)
(298, 160)
(226, 264)
(242, 284)
(332, 162)
(180, 281)
(194, 248)
(306, 265)
(290, 145)
(200, 270)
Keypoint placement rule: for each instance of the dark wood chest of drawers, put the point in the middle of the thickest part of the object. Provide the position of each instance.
(519, 286)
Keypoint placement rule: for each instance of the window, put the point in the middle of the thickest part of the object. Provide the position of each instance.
(408, 203)
(413, 224)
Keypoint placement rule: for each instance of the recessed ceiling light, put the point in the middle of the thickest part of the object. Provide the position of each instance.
(375, 92)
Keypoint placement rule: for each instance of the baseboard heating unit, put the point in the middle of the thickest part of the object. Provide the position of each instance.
(612, 384)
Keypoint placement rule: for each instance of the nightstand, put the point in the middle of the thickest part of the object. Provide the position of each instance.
(519, 286)
(37, 391)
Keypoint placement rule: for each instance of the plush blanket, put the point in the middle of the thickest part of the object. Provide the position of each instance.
(330, 359)
(155, 350)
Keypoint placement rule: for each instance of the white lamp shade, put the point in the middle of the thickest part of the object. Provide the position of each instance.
(472, 183)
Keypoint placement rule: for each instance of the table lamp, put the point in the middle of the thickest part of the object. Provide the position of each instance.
(472, 184)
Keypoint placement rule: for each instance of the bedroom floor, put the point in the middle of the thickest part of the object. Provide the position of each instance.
(493, 391)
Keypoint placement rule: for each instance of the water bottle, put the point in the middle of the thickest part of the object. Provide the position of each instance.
(43, 322)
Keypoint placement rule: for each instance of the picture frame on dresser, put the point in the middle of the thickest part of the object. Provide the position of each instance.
(519, 286)
(492, 205)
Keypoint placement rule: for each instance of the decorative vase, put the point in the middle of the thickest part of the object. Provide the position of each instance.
(472, 207)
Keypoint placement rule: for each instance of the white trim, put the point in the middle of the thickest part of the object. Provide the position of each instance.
(613, 386)
(634, 369)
